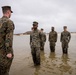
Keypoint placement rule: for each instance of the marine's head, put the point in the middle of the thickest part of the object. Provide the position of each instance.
(52, 28)
(65, 28)
(42, 29)
(7, 11)
(35, 25)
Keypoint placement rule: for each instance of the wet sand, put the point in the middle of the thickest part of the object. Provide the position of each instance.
(51, 63)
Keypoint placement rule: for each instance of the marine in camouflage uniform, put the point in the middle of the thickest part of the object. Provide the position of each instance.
(52, 39)
(6, 38)
(35, 38)
(65, 39)
(43, 40)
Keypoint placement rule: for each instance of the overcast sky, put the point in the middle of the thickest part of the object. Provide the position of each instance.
(48, 13)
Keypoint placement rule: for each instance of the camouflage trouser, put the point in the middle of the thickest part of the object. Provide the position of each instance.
(42, 45)
(35, 55)
(52, 46)
(65, 47)
(5, 64)
(7, 73)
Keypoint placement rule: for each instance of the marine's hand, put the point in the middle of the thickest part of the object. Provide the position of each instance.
(9, 55)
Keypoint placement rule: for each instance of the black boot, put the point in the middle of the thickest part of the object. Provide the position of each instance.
(64, 50)
(37, 61)
(52, 49)
(34, 58)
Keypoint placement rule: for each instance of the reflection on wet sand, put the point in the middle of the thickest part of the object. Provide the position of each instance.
(65, 67)
(52, 55)
(37, 68)
(51, 66)
(42, 53)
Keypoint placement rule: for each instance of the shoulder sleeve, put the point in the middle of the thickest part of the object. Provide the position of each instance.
(40, 35)
(69, 36)
(61, 37)
(9, 36)
(30, 37)
(56, 36)
(45, 36)
(49, 37)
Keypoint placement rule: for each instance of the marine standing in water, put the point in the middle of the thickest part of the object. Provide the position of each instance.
(35, 38)
(6, 41)
(65, 39)
(52, 39)
(43, 40)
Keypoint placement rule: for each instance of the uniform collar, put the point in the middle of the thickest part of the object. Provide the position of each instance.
(5, 17)
(36, 30)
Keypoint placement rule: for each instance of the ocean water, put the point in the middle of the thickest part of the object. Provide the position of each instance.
(51, 63)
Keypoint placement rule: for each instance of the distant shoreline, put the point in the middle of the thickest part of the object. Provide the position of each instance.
(27, 33)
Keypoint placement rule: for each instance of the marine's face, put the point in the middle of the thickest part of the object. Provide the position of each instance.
(52, 29)
(35, 26)
(65, 29)
(9, 13)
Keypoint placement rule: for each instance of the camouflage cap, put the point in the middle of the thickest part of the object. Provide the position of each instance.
(52, 27)
(4, 8)
(65, 26)
(35, 23)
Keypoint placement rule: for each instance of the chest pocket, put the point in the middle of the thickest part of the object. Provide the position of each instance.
(35, 37)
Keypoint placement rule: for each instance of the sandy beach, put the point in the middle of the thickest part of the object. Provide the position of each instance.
(51, 63)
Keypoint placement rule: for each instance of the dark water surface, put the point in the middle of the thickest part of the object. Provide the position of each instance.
(51, 63)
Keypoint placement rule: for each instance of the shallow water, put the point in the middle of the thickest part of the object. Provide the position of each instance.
(51, 63)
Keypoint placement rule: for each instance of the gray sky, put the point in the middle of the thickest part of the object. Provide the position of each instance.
(48, 13)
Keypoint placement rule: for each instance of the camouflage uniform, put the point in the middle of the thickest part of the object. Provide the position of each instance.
(65, 38)
(6, 37)
(52, 40)
(43, 40)
(35, 46)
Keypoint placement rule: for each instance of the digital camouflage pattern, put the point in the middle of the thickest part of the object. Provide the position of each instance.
(35, 38)
(36, 55)
(52, 40)
(65, 39)
(6, 38)
(43, 40)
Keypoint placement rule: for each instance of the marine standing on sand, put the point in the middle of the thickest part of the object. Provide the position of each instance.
(65, 39)
(52, 39)
(43, 40)
(35, 38)
(6, 38)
